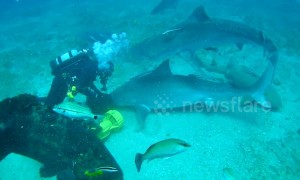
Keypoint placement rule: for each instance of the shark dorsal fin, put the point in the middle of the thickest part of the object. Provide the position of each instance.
(199, 15)
(163, 69)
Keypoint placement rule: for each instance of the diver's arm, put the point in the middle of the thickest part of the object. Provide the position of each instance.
(98, 102)
(93, 86)
(92, 91)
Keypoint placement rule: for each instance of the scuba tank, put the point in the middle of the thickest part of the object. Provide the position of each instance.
(67, 59)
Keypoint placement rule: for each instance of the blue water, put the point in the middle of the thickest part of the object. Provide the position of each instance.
(254, 145)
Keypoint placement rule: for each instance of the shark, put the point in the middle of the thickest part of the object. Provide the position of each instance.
(199, 31)
(144, 92)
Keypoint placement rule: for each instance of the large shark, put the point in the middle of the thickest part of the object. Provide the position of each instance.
(201, 31)
(145, 91)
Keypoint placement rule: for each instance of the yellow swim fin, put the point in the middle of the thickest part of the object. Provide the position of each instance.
(112, 121)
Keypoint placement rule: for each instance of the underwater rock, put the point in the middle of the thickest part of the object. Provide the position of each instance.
(34, 130)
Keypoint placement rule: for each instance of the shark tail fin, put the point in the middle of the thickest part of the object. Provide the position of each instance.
(260, 86)
(138, 161)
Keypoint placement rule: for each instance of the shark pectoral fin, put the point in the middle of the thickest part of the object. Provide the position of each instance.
(142, 112)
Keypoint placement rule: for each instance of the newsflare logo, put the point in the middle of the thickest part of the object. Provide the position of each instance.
(163, 105)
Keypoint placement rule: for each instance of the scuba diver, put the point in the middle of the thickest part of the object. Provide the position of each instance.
(75, 72)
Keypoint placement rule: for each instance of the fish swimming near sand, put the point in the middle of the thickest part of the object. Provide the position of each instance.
(164, 5)
(161, 149)
(74, 110)
(160, 90)
(200, 31)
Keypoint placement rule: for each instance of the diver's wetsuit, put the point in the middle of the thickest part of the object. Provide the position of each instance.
(81, 73)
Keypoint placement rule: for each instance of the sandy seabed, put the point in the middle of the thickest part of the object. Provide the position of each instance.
(254, 145)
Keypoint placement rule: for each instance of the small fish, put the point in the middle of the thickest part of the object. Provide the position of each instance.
(75, 111)
(161, 149)
(99, 171)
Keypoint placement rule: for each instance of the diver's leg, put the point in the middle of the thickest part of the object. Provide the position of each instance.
(57, 92)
